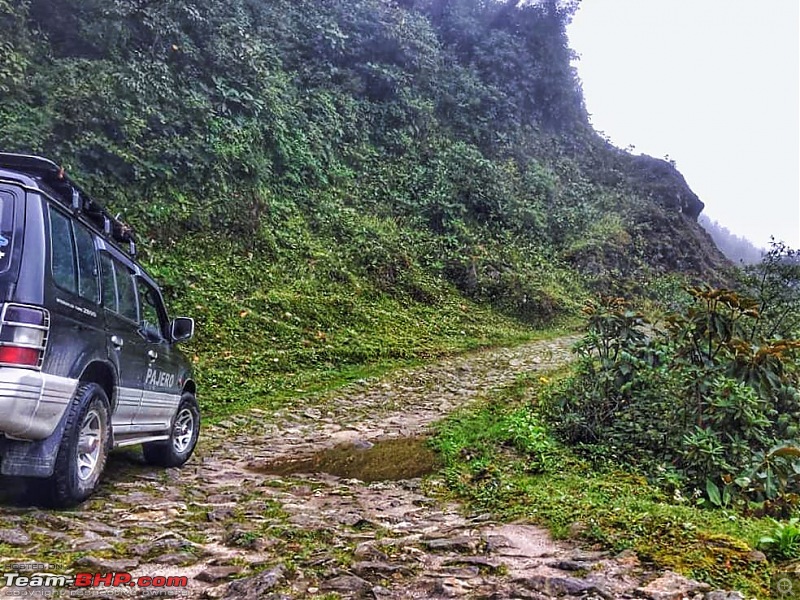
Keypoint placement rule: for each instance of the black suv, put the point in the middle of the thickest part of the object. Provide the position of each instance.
(88, 357)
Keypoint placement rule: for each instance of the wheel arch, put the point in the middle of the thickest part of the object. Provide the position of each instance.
(189, 386)
(104, 375)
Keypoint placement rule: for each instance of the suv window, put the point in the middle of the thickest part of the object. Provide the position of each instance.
(119, 295)
(6, 228)
(126, 293)
(87, 263)
(150, 314)
(73, 260)
(62, 260)
(109, 282)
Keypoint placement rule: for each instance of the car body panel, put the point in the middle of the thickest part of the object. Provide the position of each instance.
(44, 234)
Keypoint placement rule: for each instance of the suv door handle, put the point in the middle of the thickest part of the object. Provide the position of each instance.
(116, 341)
(152, 354)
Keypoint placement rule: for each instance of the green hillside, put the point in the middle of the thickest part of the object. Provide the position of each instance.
(331, 186)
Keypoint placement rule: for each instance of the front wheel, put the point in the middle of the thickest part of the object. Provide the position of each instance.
(182, 439)
(84, 448)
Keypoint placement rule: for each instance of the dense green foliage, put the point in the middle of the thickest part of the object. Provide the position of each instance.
(707, 402)
(501, 456)
(367, 167)
(458, 119)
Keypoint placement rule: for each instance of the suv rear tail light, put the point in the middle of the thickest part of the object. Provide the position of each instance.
(23, 335)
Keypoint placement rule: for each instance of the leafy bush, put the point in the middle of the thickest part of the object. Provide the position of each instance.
(711, 397)
(775, 285)
(784, 541)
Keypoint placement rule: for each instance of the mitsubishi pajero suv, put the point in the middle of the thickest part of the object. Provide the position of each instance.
(88, 355)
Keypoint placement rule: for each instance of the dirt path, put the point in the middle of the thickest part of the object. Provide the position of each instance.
(237, 532)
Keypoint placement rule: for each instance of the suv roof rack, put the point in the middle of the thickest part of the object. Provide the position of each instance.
(71, 195)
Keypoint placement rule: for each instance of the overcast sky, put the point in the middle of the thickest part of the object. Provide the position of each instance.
(715, 84)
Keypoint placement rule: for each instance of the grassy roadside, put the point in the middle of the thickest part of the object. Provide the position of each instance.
(271, 328)
(499, 457)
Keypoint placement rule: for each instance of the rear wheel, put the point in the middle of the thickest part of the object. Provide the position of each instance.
(182, 439)
(84, 448)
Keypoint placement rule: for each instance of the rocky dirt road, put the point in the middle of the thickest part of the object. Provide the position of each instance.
(236, 531)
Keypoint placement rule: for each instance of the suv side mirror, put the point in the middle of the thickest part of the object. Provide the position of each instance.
(181, 329)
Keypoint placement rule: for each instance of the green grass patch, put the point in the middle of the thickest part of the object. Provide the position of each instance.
(499, 457)
(272, 327)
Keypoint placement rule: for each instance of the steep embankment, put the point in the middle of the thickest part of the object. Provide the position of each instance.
(329, 184)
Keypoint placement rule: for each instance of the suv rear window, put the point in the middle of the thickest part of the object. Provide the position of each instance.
(73, 260)
(63, 256)
(6, 229)
(87, 264)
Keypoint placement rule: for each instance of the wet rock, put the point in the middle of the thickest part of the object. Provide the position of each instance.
(347, 584)
(381, 592)
(627, 558)
(312, 413)
(305, 521)
(138, 499)
(496, 542)
(163, 546)
(557, 586)
(571, 565)
(221, 498)
(462, 572)
(107, 565)
(14, 537)
(101, 528)
(671, 586)
(176, 559)
(372, 568)
(256, 587)
(351, 519)
(476, 561)
(368, 551)
(756, 556)
(220, 514)
(214, 574)
(588, 555)
(451, 587)
(461, 543)
(92, 542)
(482, 518)
(55, 521)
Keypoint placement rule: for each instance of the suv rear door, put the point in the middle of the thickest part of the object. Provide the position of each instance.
(126, 349)
(73, 297)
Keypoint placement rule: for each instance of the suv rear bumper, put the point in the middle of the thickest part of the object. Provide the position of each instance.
(32, 403)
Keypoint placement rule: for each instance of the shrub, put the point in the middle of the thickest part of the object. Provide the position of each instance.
(784, 540)
(708, 397)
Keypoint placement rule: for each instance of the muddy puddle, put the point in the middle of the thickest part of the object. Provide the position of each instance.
(383, 460)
